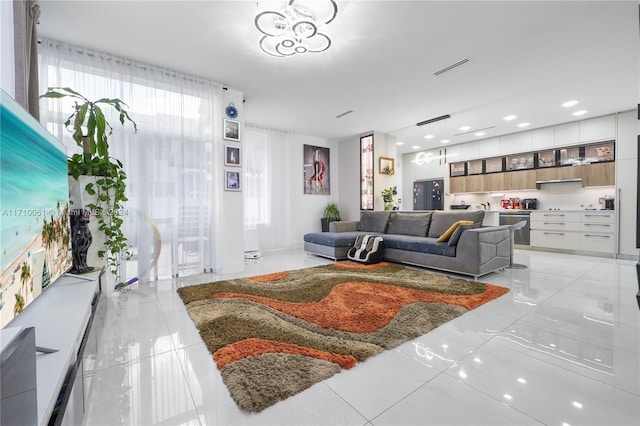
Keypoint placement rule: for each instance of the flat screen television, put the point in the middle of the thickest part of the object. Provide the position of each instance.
(35, 234)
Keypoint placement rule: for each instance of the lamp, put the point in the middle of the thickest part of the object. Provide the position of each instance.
(294, 29)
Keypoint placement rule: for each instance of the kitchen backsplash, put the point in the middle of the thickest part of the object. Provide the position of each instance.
(566, 195)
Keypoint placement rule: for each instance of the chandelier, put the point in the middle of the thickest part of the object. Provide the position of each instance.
(294, 29)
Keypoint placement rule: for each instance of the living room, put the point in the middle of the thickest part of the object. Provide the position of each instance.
(196, 67)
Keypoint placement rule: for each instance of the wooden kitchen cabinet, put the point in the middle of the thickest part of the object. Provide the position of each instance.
(570, 172)
(457, 184)
(494, 182)
(599, 174)
(525, 179)
(549, 173)
(475, 183)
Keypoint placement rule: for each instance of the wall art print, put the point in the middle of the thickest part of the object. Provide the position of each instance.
(316, 170)
(232, 181)
(232, 130)
(232, 155)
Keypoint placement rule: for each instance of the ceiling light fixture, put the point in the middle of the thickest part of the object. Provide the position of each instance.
(445, 141)
(399, 143)
(428, 136)
(415, 147)
(578, 113)
(294, 28)
(523, 124)
(479, 133)
(465, 128)
(510, 117)
(569, 104)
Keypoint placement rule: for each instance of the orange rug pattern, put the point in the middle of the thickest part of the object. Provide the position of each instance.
(275, 335)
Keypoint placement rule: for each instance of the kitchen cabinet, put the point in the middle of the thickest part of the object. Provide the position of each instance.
(549, 173)
(475, 183)
(572, 172)
(458, 169)
(493, 165)
(524, 179)
(592, 231)
(599, 174)
(567, 134)
(457, 184)
(475, 167)
(494, 182)
(598, 128)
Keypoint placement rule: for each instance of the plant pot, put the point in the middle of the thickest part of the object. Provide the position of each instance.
(325, 224)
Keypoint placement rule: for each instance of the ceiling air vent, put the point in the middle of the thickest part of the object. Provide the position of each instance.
(433, 120)
(452, 66)
(344, 113)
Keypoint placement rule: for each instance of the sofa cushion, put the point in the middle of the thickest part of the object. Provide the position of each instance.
(371, 221)
(418, 244)
(409, 224)
(333, 239)
(453, 239)
(442, 220)
(446, 234)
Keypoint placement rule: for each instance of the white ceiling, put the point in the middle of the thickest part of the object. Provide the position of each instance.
(526, 58)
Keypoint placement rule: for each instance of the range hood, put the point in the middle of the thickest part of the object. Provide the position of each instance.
(559, 180)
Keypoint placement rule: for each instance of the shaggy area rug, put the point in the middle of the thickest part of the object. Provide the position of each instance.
(275, 335)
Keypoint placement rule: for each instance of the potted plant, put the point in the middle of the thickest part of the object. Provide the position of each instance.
(96, 174)
(387, 197)
(331, 214)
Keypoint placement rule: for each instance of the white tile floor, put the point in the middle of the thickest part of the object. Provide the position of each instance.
(562, 348)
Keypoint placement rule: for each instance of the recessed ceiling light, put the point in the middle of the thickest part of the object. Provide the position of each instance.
(445, 141)
(415, 147)
(465, 128)
(428, 136)
(525, 124)
(569, 104)
(399, 143)
(581, 112)
(510, 117)
(480, 133)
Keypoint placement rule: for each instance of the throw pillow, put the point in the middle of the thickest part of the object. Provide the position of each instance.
(442, 220)
(453, 239)
(447, 234)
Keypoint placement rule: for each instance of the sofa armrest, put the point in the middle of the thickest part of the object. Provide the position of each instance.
(482, 244)
(344, 226)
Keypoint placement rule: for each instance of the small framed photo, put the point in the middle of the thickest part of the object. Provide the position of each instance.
(386, 166)
(231, 181)
(232, 155)
(232, 130)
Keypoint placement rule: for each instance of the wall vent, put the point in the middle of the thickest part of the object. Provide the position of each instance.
(452, 66)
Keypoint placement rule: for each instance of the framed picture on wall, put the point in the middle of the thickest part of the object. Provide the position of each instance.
(316, 170)
(386, 166)
(231, 181)
(232, 130)
(232, 155)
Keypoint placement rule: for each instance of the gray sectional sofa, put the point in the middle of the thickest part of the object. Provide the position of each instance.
(411, 238)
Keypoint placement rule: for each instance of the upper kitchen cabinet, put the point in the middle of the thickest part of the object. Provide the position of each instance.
(599, 174)
(520, 161)
(524, 179)
(516, 142)
(598, 128)
(543, 138)
(475, 167)
(567, 134)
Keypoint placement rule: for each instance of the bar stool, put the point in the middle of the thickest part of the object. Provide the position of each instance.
(512, 229)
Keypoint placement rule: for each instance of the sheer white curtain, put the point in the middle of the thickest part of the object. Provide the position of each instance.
(169, 161)
(268, 185)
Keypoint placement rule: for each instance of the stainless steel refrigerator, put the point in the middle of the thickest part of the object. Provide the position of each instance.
(428, 194)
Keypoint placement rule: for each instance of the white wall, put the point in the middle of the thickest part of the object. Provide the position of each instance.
(308, 208)
(7, 62)
(349, 182)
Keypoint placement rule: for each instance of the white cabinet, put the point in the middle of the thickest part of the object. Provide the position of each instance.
(543, 138)
(567, 134)
(578, 231)
(515, 142)
(598, 128)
